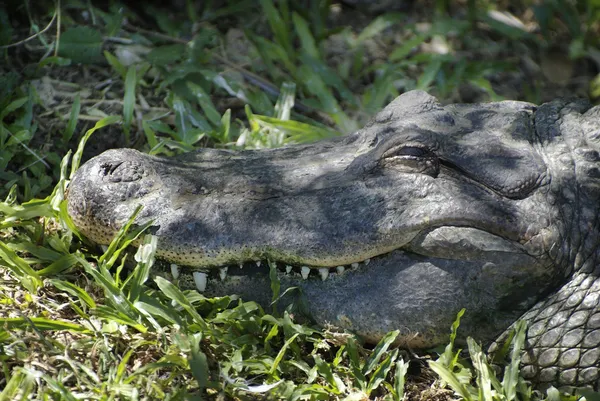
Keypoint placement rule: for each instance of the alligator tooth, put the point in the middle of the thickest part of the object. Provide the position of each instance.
(354, 265)
(288, 269)
(258, 263)
(340, 269)
(324, 272)
(174, 271)
(200, 280)
(223, 273)
(241, 266)
(367, 261)
(305, 272)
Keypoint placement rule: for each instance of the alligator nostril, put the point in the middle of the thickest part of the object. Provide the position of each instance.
(124, 171)
(109, 168)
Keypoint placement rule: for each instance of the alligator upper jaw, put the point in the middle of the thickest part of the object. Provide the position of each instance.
(445, 242)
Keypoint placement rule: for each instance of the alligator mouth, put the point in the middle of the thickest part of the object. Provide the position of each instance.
(430, 243)
(202, 276)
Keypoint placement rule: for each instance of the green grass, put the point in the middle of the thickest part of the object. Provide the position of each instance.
(75, 324)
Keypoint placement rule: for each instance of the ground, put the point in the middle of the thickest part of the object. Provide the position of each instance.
(230, 74)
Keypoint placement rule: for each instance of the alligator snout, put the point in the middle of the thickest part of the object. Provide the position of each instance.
(106, 190)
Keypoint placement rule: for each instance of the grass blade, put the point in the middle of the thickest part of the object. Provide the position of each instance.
(26, 275)
(400, 379)
(198, 364)
(206, 103)
(40, 323)
(285, 101)
(379, 351)
(511, 372)
(63, 263)
(308, 43)
(176, 295)
(355, 364)
(21, 383)
(381, 372)
(75, 291)
(145, 259)
(281, 354)
(129, 100)
(484, 382)
(451, 379)
(72, 124)
(278, 26)
(77, 156)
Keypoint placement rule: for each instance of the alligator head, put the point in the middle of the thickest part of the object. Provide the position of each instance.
(426, 210)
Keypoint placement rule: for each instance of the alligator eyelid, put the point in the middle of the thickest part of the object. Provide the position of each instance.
(410, 150)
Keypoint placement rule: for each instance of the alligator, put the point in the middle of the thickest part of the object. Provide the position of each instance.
(428, 209)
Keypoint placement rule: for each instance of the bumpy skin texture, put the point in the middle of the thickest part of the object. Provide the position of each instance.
(430, 208)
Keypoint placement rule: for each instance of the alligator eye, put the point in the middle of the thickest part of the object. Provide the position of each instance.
(412, 159)
(409, 151)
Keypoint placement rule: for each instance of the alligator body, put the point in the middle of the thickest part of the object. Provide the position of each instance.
(426, 210)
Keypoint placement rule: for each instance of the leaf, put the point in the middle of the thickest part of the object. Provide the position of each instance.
(484, 379)
(295, 130)
(120, 307)
(63, 263)
(12, 106)
(326, 372)
(277, 25)
(381, 372)
(589, 395)
(129, 100)
(307, 40)
(165, 55)
(506, 24)
(275, 284)
(28, 277)
(155, 308)
(21, 384)
(511, 372)
(281, 354)
(176, 295)
(198, 364)
(330, 77)
(77, 156)
(82, 44)
(40, 323)
(121, 368)
(285, 101)
(75, 291)
(451, 379)
(115, 64)
(407, 47)
(429, 73)
(379, 351)
(377, 26)
(115, 317)
(6, 29)
(41, 252)
(74, 116)
(448, 354)
(355, 364)
(145, 259)
(120, 241)
(206, 103)
(399, 379)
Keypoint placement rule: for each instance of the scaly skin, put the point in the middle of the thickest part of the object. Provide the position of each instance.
(492, 207)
